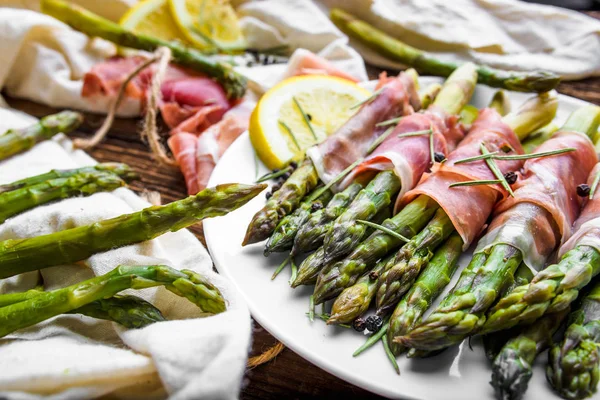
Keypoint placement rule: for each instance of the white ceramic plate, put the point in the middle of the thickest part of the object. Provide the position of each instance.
(457, 373)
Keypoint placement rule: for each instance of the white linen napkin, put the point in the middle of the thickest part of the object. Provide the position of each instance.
(74, 357)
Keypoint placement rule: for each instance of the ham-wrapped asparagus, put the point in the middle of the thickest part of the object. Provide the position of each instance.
(528, 227)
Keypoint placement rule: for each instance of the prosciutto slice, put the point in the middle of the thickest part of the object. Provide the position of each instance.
(586, 231)
(469, 206)
(185, 93)
(409, 157)
(539, 217)
(398, 96)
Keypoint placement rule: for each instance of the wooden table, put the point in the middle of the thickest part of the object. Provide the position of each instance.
(289, 375)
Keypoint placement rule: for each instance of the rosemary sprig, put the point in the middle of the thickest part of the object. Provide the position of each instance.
(311, 308)
(495, 170)
(335, 180)
(305, 117)
(431, 146)
(273, 175)
(535, 155)
(393, 121)
(594, 185)
(476, 158)
(281, 267)
(289, 130)
(372, 339)
(415, 133)
(368, 99)
(383, 229)
(474, 183)
(390, 355)
(294, 270)
(380, 139)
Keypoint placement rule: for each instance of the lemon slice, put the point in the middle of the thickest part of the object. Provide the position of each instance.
(208, 24)
(279, 130)
(153, 17)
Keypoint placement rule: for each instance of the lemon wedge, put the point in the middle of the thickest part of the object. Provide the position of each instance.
(208, 24)
(300, 112)
(153, 17)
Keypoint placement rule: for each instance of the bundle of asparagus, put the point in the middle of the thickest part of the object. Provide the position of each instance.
(538, 208)
(351, 141)
(417, 217)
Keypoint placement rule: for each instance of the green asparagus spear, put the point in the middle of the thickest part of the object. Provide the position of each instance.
(95, 26)
(121, 170)
(354, 301)
(574, 364)
(551, 290)
(310, 235)
(130, 311)
(462, 313)
(408, 222)
(312, 265)
(500, 102)
(345, 233)
(493, 343)
(283, 202)
(428, 286)
(512, 367)
(16, 141)
(429, 94)
(282, 238)
(399, 275)
(17, 201)
(537, 81)
(538, 137)
(184, 283)
(22, 255)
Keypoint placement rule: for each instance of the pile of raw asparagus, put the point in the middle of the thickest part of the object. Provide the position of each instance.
(383, 266)
(98, 297)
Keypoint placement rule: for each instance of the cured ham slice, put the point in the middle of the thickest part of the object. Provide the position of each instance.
(304, 62)
(183, 145)
(352, 140)
(185, 93)
(586, 231)
(409, 157)
(539, 217)
(213, 142)
(469, 206)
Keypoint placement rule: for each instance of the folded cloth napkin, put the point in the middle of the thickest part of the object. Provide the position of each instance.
(75, 357)
(507, 34)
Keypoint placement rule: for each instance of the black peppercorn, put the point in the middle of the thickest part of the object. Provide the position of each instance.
(293, 165)
(373, 275)
(439, 157)
(276, 187)
(374, 323)
(583, 190)
(511, 177)
(359, 324)
(268, 195)
(506, 148)
(286, 175)
(317, 205)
